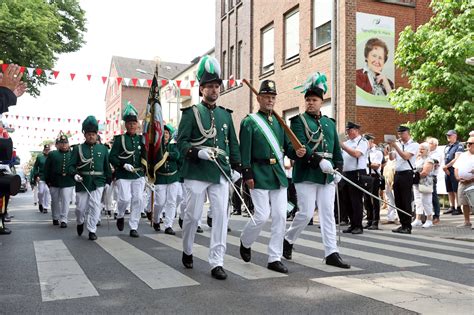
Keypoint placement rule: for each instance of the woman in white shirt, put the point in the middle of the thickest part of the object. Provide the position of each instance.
(423, 201)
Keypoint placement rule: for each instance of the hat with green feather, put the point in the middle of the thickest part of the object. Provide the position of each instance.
(62, 138)
(209, 70)
(315, 85)
(90, 124)
(170, 129)
(130, 113)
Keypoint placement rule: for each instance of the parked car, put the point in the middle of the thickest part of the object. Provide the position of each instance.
(24, 182)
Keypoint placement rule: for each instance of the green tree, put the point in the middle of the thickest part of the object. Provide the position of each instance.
(441, 83)
(34, 32)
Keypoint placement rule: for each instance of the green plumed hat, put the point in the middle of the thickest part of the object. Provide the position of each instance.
(62, 138)
(130, 113)
(209, 70)
(170, 129)
(90, 124)
(315, 84)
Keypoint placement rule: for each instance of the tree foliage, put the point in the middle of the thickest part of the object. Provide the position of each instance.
(433, 58)
(34, 32)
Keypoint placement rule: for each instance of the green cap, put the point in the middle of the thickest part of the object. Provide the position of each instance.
(90, 124)
(130, 113)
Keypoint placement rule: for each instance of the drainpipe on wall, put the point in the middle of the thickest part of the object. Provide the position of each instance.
(251, 57)
(334, 76)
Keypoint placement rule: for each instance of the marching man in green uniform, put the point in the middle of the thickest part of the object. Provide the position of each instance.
(44, 197)
(209, 144)
(312, 173)
(91, 170)
(167, 184)
(61, 183)
(263, 144)
(125, 157)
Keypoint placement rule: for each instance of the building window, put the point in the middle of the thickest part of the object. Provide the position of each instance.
(267, 48)
(224, 56)
(287, 114)
(322, 16)
(238, 69)
(231, 61)
(292, 35)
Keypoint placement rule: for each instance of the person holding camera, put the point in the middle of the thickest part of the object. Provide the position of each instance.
(422, 191)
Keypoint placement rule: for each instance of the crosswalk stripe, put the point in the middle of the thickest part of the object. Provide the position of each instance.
(429, 238)
(302, 259)
(408, 290)
(232, 264)
(429, 244)
(153, 272)
(59, 274)
(403, 250)
(387, 260)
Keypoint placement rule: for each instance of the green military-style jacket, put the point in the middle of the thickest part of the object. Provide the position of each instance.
(56, 169)
(92, 163)
(195, 132)
(38, 168)
(255, 150)
(127, 149)
(168, 173)
(306, 168)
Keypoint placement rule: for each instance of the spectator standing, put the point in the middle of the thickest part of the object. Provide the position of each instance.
(464, 172)
(374, 165)
(436, 157)
(451, 152)
(423, 200)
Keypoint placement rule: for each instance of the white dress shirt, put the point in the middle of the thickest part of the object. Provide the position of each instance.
(351, 163)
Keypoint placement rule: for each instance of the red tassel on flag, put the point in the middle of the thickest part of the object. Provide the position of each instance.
(38, 71)
(72, 76)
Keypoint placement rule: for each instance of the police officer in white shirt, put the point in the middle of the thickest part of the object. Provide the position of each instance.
(354, 153)
(374, 165)
(405, 150)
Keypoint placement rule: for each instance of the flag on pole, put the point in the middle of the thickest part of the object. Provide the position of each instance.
(153, 128)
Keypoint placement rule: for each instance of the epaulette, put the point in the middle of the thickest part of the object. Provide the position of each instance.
(186, 108)
(295, 117)
(227, 109)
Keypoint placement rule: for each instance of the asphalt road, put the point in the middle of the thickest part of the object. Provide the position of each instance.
(50, 270)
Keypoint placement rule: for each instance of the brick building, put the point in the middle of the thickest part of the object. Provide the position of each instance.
(288, 40)
(120, 87)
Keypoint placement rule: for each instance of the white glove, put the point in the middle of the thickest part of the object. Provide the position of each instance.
(78, 178)
(235, 176)
(326, 166)
(337, 178)
(129, 167)
(205, 154)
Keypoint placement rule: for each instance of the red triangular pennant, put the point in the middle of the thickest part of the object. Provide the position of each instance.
(134, 81)
(108, 121)
(119, 80)
(231, 82)
(192, 83)
(78, 120)
(104, 79)
(38, 118)
(55, 74)
(88, 77)
(39, 71)
(149, 82)
(72, 76)
(22, 69)
(163, 82)
(6, 116)
(59, 119)
(27, 117)
(17, 116)
(116, 121)
(49, 118)
(4, 67)
(178, 83)
(69, 120)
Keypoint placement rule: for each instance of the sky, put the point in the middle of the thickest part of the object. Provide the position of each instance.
(175, 31)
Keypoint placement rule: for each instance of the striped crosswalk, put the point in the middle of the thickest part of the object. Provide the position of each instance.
(61, 276)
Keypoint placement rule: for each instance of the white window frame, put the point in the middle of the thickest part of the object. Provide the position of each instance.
(268, 48)
(292, 35)
(321, 18)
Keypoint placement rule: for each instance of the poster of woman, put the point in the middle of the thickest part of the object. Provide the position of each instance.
(375, 73)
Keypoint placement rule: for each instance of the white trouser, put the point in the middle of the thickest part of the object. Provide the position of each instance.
(181, 201)
(60, 199)
(423, 201)
(130, 192)
(311, 196)
(267, 202)
(165, 201)
(219, 197)
(43, 194)
(90, 206)
(109, 202)
(35, 193)
(391, 211)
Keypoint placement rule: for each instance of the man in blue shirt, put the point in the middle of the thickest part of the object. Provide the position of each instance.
(451, 152)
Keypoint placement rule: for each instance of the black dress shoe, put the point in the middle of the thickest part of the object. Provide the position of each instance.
(127, 211)
(187, 261)
(374, 226)
(63, 225)
(98, 223)
(348, 230)
(236, 212)
(357, 230)
(369, 224)
(92, 236)
(310, 222)
(143, 215)
(199, 230)
(228, 229)
(169, 231)
(218, 273)
(55, 222)
(156, 226)
(335, 260)
(402, 230)
(457, 211)
(134, 233)
(120, 224)
(450, 210)
(149, 215)
(109, 212)
(277, 266)
(245, 253)
(45, 210)
(40, 207)
(209, 221)
(80, 229)
(115, 216)
(5, 231)
(180, 223)
(287, 249)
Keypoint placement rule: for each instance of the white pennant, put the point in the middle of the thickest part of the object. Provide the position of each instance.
(48, 73)
(30, 71)
(126, 81)
(224, 83)
(141, 81)
(238, 82)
